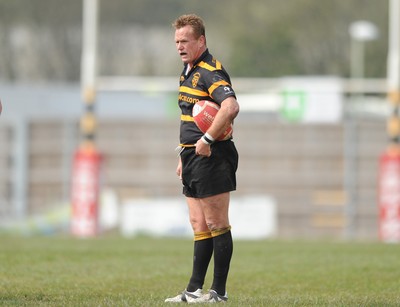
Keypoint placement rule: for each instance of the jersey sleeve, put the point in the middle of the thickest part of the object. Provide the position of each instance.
(219, 86)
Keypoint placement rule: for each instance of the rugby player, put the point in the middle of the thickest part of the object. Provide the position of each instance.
(207, 167)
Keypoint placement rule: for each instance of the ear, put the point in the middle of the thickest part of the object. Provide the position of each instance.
(202, 40)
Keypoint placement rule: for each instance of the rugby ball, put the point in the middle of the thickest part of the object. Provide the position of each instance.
(204, 113)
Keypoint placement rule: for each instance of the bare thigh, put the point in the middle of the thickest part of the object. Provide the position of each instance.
(209, 213)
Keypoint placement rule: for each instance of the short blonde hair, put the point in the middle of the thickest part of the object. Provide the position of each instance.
(192, 20)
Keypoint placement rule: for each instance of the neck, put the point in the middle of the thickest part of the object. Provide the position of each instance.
(201, 51)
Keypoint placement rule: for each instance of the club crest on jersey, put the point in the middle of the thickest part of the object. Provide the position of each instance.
(195, 79)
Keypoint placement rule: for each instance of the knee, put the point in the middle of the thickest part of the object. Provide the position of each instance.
(215, 224)
(198, 225)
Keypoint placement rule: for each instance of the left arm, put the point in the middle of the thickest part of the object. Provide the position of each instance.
(225, 116)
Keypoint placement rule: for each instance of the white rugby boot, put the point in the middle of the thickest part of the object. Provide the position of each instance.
(210, 297)
(186, 296)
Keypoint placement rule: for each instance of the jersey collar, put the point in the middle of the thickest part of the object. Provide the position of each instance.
(201, 58)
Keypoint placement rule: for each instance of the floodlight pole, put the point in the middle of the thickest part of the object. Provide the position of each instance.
(87, 160)
(393, 70)
(88, 71)
(361, 31)
(389, 163)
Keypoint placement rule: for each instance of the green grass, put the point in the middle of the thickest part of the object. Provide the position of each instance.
(56, 271)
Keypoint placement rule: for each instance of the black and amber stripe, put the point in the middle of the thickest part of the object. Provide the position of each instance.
(202, 235)
(206, 80)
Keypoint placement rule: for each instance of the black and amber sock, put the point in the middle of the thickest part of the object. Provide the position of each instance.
(203, 250)
(223, 250)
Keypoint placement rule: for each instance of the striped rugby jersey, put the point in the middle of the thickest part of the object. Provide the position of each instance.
(207, 80)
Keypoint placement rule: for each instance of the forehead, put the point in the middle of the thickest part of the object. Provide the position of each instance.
(185, 32)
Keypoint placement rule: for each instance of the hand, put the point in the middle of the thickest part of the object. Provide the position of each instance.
(179, 169)
(203, 149)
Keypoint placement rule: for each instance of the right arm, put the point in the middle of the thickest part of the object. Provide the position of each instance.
(179, 168)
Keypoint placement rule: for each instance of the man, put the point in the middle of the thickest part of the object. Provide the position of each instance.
(206, 167)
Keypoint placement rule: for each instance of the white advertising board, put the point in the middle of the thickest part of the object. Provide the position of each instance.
(252, 217)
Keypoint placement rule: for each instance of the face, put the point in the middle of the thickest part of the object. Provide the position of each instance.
(189, 47)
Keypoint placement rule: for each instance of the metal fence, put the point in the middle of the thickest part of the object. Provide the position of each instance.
(323, 176)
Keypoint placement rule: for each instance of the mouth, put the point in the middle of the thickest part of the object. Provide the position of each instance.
(182, 53)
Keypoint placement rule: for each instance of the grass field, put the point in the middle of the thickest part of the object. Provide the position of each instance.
(113, 271)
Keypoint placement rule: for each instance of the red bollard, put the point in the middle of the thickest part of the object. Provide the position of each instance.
(389, 197)
(85, 193)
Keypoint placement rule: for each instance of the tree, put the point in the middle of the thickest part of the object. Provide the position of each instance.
(41, 39)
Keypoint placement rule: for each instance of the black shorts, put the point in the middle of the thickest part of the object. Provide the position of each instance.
(208, 176)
